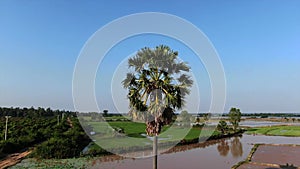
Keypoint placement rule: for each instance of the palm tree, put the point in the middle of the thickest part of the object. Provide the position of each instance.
(156, 88)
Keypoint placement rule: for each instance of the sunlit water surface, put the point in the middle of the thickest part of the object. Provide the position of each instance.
(223, 153)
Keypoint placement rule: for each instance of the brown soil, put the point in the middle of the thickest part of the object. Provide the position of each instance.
(266, 119)
(258, 166)
(280, 155)
(13, 159)
(274, 156)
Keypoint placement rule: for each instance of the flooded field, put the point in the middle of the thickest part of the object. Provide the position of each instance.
(280, 154)
(275, 156)
(250, 123)
(222, 154)
(253, 123)
(214, 154)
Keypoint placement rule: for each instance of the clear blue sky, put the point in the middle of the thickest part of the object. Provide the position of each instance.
(258, 42)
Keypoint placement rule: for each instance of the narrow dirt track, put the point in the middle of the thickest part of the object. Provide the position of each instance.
(13, 159)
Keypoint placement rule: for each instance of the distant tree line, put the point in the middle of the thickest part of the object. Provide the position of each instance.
(272, 114)
(32, 112)
(267, 114)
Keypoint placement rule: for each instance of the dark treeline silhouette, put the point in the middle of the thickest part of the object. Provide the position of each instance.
(32, 112)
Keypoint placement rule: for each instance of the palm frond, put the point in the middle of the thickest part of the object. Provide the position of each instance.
(129, 80)
(185, 80)
(158, 87)
(181, 67)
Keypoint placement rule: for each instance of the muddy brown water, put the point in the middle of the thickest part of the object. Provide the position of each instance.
(220, 154)
(281, 155)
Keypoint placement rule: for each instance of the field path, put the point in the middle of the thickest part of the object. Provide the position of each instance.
(13, 159)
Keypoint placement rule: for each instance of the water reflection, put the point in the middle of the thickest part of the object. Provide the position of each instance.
(210, 154)
(223, 148)
(203, 144)
(236, 147)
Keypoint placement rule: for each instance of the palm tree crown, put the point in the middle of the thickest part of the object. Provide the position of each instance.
(157, 87)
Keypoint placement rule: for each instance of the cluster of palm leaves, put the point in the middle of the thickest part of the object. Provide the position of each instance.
(156, 86)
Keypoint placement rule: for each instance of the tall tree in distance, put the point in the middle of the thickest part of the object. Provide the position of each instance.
(185, 118)
(105, 113)
(235, 117)
(157, 86)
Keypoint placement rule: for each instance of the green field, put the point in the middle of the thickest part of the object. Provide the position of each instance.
(79, 163)
(276, 131)
(131, 129)
(133, 134)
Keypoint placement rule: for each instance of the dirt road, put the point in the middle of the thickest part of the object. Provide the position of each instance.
(13, 159)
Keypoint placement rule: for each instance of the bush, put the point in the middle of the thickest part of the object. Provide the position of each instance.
(9, 146)
(222, 127)
(66, 145)
(198, 125)
(54, 148)
(264, 116)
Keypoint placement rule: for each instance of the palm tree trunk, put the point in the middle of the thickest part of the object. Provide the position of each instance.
(155, 152)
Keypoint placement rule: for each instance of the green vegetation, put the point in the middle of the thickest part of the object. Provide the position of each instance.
(66, 143)
(206, 116)
(80, 163)
(55, 134)
(185, 118)
(269, 114)
(137, 130)
(276, 130)
(26, 132)
(235, 117)
(157, 87)
(132, 129)
(223, 127)
(32, 112)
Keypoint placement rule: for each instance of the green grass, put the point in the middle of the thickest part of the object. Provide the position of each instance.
(134, 130)
(79, 163)
(276, 131)
(110, 141)
(116, 118)
(130, 128)
(177, 133)
(87, 118)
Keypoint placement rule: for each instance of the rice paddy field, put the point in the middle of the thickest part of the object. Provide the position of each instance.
(293, 131)
(133, 130)
(133, 134)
